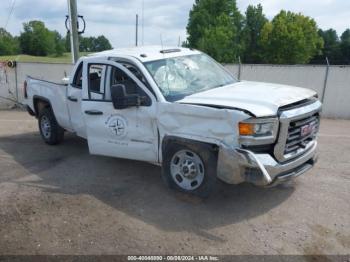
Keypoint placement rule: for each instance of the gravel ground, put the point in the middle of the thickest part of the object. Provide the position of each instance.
(61, 200)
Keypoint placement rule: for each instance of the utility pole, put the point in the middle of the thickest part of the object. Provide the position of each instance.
(137, 30)
(73, 24)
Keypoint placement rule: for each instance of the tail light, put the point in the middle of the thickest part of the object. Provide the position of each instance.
(25, 89)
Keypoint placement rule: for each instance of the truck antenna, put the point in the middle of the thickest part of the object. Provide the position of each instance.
(137, 30)
(161, 41)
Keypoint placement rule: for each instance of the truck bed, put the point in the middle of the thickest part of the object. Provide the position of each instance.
(54, 93)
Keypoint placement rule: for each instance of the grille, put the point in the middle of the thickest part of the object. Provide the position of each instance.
(300, 133)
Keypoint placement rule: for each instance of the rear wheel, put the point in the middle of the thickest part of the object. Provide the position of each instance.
(190, 168)
(50, 130)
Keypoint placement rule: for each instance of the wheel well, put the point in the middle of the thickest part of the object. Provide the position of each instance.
(184, 141)
(40, 104)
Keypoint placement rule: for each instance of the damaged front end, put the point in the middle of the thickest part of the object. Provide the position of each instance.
(263, 151)
(236, 166)
(292, 153)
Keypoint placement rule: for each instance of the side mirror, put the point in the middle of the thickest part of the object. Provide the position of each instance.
(65, 81)
(121, 99)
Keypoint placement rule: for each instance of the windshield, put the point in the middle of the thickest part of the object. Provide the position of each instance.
(178, 77)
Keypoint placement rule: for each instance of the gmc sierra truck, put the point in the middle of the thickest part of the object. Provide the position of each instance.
(178, 108)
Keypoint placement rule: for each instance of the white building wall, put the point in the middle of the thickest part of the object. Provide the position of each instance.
(303, 76)
(45, 71)
(336, 100)
(337, 95)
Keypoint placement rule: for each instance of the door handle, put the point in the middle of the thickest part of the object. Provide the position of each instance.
(93, 112)
(72, 98)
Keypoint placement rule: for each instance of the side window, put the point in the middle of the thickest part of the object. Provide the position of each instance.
(136, 72)
(118, 76)
(78, 78)
(96, 80)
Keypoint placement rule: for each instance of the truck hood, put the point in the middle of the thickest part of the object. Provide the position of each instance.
(260, 99)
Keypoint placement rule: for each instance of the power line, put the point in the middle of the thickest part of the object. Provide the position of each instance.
(11, 11)
(143, 19)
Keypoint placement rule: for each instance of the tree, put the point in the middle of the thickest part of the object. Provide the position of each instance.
(90, 44)
(93, 44)
(214, 27)
(67, 42)
(345, 46)
(86, 44)
(290, 39)
(253, 24)
(102, 43)
(217, 41)
(331, 47)
(8, 44)
(59, 43)
(37, 39)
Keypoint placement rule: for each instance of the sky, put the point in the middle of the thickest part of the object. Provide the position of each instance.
(163, 21)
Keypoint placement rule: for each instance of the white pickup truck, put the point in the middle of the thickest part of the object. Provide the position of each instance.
(180, 109)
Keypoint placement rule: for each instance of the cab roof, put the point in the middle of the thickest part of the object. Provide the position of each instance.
(147, 53)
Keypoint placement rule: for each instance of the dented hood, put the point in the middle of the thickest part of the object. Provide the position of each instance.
(260, 99)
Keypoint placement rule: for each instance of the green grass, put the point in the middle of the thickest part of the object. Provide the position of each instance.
(65, 58)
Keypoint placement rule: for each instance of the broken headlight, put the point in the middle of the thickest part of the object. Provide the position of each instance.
(258, 131)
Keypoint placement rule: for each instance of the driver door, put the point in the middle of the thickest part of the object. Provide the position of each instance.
(124, 133)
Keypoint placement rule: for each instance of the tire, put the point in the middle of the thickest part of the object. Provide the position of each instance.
(50, 130)
(190, 168)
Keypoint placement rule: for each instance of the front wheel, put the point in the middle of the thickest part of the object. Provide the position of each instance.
(50, 130)
(190, 168)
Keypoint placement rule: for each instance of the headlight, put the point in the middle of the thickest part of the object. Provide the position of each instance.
(258, 131)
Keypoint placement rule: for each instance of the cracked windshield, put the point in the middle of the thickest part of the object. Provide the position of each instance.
(178, 77)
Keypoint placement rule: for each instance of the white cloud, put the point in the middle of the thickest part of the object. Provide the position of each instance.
(116, 19)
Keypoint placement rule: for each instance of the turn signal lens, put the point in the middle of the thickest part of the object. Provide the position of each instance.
(246, 129)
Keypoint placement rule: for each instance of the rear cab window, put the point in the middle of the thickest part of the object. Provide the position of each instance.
(96, 81)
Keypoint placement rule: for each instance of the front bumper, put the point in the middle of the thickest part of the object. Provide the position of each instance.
(238, 165)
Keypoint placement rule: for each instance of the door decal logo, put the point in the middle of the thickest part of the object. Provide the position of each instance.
(117, 125)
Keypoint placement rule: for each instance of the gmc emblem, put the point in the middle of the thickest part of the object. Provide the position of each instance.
(307, 129)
